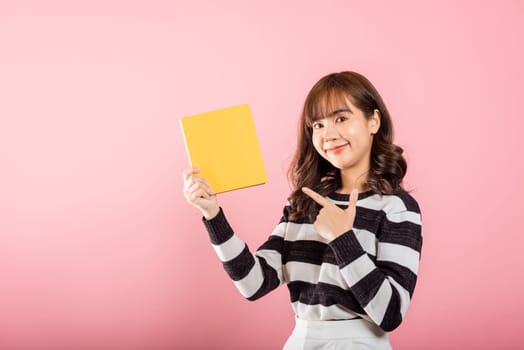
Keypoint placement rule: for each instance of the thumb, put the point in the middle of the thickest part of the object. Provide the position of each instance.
(353, 200)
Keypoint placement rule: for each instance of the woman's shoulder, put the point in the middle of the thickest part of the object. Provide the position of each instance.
(290, 214)
(409, 201)
(399, 201)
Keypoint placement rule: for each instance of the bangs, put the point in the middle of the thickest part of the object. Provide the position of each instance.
(324, 101)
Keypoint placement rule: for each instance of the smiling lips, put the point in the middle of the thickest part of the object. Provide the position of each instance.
(336, 149)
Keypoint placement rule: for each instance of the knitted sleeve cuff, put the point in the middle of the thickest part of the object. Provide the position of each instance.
(218, 228)
(346, 248)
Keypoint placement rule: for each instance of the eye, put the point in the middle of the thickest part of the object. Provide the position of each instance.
(317, 125)
(341, 119)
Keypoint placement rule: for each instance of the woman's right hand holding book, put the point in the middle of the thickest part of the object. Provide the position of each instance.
(198, 193)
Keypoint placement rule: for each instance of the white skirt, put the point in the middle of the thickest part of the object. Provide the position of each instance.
(356, 334)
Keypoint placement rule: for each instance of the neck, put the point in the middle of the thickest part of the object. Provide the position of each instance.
(353, 179)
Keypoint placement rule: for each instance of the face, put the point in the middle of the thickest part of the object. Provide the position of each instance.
(344, 137)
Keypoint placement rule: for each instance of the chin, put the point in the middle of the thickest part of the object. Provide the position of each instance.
(339, 166)
(339, 163)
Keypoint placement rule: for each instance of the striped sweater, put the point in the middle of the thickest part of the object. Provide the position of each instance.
(368, 272)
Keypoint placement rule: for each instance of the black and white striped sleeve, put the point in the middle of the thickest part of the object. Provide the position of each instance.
(384, 287)
(254, 275)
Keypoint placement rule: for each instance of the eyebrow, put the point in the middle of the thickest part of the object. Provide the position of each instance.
(340, 111)
(335, 112)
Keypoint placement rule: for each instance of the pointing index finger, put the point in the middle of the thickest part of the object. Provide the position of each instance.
(315, 196)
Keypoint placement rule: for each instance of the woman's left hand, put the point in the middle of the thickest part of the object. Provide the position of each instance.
(333, 221)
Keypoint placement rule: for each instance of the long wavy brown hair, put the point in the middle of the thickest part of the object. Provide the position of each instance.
(308, 168)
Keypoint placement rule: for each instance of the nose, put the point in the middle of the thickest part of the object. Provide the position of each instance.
(330, 131)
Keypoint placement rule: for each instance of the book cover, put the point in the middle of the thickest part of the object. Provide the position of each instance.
(224, 145)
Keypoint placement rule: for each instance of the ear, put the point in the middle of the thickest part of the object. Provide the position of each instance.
(374, 122)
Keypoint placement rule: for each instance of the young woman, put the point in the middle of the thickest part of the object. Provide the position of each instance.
(349, 241)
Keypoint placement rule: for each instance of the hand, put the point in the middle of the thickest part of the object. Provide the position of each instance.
(198, 193)
(332, 221)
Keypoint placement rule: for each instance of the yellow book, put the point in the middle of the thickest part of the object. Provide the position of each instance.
(224, 145)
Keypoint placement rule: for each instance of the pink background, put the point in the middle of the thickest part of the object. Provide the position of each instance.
(98, 248)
